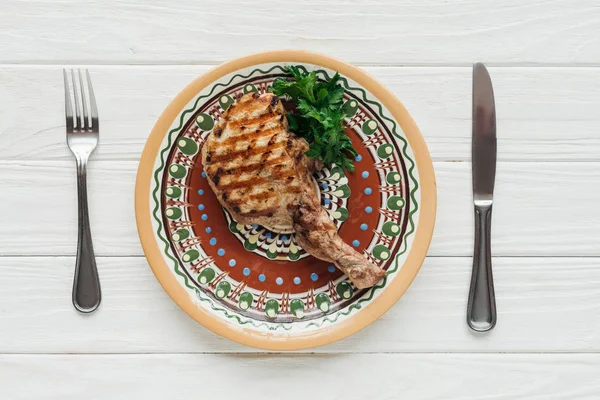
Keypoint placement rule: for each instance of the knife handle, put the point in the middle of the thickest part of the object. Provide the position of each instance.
(481, 308)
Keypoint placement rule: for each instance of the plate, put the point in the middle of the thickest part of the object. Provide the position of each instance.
(255, 284)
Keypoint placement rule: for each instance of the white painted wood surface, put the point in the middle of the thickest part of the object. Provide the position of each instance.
(544, 58)
(545, 113)
(344, 376)
(545, 305)
(363, 32)
(541, 209)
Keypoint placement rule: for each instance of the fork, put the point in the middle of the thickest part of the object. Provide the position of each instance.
(82, 139)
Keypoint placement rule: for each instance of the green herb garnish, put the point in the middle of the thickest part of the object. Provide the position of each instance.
(319, 117)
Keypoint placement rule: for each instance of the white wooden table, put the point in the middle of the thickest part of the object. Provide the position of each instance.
(544, 59)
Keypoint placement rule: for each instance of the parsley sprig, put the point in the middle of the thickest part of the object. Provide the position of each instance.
(319, 117)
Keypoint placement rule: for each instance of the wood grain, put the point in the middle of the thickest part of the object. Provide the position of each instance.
(544, 305)
(381, 32)
(544, 58)
(543, 113)
(540, 209)
(381, 376)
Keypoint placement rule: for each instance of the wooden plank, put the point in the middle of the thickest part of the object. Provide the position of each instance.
(543, 113)
(534, 215)
(382, 32)
(544, 305)
(384, 376)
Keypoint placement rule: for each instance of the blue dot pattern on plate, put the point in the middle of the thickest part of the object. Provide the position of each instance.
(297, 280)
(200, 207)
(246, 271)
(254, 226)
(221, 252)
(268, 235)
(355, 243)
(314, 276)
(261, 277)
(212, 241)
(326, 202)
(284, 238)
(363, 227)
(358, 158)
(368, 191)
(203, 174)
(279, 281)
(365, 174)
(368, 209)
(324, 186)
(331, 268)
(208, 230)
(204, 217)
(200, 192)
(232, 263)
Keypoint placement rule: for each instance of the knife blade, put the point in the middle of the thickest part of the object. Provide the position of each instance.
(484, 135)
(481, 307)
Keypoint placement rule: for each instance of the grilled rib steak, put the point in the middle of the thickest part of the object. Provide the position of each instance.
(260, 174)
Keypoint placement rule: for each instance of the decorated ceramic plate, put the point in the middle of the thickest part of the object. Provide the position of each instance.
(255, 284)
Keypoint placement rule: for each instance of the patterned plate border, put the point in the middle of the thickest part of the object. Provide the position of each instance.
(387, 297)
(177, 268)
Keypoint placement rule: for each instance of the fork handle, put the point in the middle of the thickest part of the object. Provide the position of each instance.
(86, 285)
(481, 308)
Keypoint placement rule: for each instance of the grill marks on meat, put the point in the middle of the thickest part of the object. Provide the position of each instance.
(245, 163)
(260, 174)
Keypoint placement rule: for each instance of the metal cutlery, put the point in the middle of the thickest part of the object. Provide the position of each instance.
(481, 308)
(82, 139)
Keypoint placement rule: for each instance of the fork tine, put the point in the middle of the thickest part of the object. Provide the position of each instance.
(93, 106)
(68, 106)
(77, 113)
(86, 123)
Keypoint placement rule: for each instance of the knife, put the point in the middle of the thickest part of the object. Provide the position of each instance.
(481, 308)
